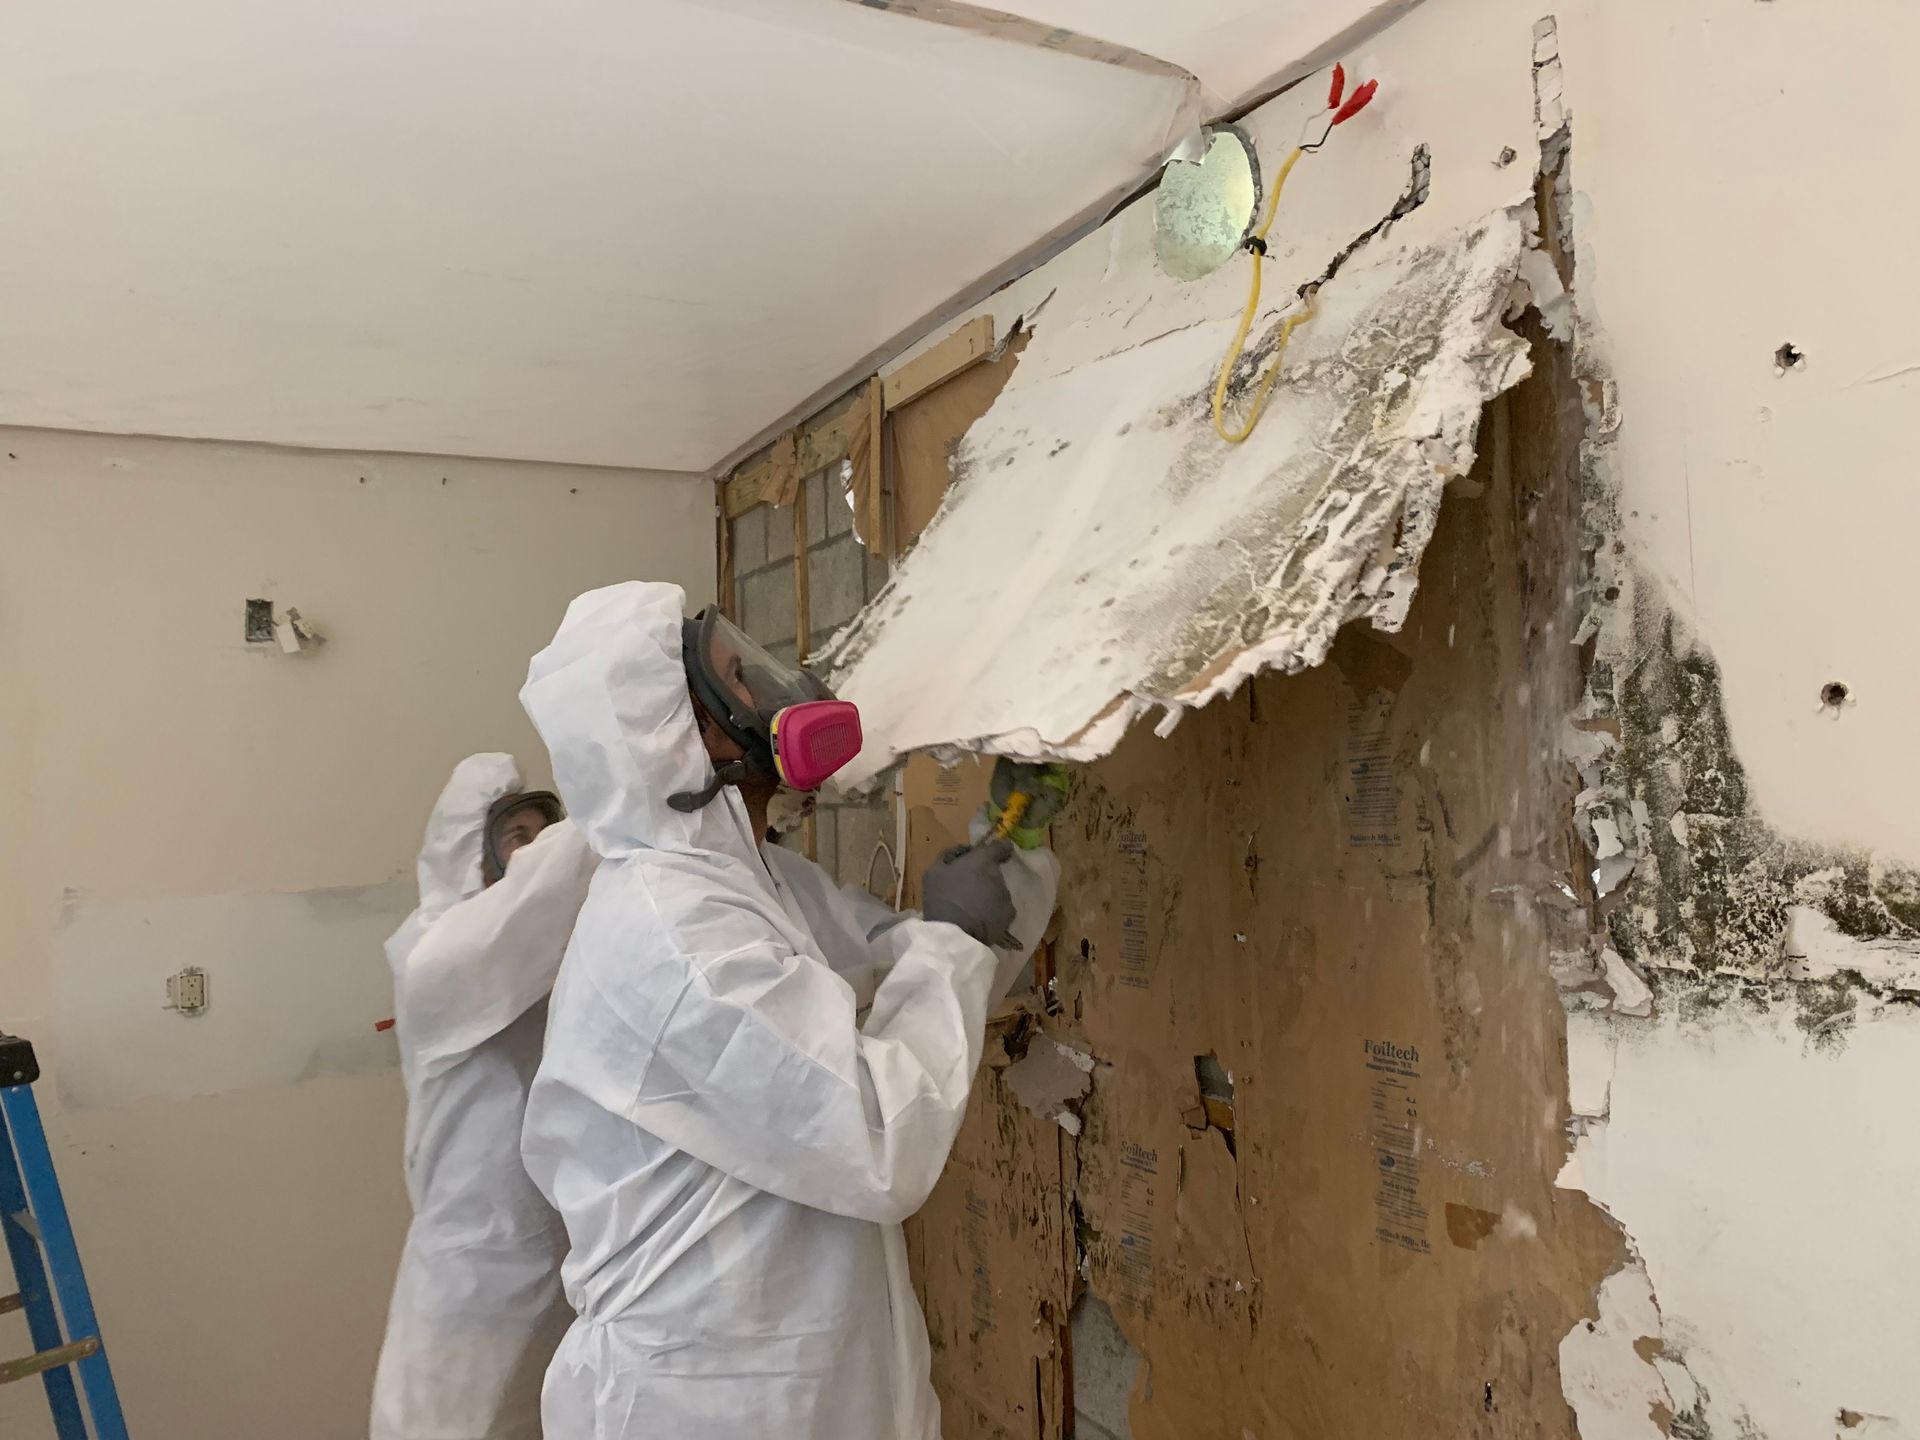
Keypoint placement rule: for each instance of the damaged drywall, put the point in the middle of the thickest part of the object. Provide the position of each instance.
(1713, 900)
(1732, 926)
(1316, 1179)
(1159, 567)
(1744, 1005)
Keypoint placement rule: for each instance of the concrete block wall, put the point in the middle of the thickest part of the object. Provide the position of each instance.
(842, 576)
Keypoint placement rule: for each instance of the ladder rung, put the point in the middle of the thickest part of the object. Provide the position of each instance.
(12, 1370)
(10, 1303)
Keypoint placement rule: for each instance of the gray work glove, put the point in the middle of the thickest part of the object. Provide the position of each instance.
(964, 887)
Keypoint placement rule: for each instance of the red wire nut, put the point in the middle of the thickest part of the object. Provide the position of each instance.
(1356, 102)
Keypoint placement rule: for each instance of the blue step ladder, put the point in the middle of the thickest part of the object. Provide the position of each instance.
(46, 1266)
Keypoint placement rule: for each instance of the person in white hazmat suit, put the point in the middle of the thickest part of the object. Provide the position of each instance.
(751, 1076)
(477, 1305)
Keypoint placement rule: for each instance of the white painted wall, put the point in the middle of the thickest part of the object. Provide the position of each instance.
(175, 796)
(1731, 157)
(1730, 162)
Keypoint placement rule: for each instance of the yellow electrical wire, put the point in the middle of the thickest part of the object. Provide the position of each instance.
(1287, 327)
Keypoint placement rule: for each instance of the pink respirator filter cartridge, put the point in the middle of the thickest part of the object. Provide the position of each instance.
(814, 739)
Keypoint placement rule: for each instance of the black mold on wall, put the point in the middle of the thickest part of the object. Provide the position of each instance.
(1705, 914)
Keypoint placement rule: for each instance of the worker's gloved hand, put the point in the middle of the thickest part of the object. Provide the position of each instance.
(965, 887)
(1034, 793)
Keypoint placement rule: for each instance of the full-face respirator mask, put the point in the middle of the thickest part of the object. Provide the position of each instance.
(784, 718)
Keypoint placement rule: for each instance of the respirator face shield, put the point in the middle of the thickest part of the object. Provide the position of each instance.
(784, 718)
(496, 845)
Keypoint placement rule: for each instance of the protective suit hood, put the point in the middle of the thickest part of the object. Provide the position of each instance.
(448, 869)
(609, 696)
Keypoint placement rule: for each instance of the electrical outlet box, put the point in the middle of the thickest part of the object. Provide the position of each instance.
(187, 991)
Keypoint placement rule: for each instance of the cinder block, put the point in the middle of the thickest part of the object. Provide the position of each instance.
(815, 491)
(838, 584)
(750, 540)
(766, 604)
(779, 533)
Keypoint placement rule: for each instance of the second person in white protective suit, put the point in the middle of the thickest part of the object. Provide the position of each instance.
(751, 1076)
(477, 1305)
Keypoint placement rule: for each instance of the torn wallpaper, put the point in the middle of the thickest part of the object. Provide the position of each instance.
(1102, 553)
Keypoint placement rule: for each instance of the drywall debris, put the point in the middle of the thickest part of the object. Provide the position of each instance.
(295, 635)
(1158, 568)
(1630, 993)
(1050, 1078)
(1596, 978)
(1547, 294)
(1815, 949)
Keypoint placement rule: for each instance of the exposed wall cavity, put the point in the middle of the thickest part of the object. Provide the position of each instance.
(1725, 901)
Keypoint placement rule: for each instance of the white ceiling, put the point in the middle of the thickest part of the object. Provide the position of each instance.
(628, 232)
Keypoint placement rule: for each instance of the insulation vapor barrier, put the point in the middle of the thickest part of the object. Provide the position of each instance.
(1102, 553)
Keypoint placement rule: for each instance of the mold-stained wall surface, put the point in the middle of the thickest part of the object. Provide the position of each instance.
(179, 795)
(1733, 931)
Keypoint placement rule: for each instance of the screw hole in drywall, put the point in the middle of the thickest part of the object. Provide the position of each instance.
(1833, 695)
(1789, 357)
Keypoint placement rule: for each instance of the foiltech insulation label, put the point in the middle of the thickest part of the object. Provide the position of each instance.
(1372, 789)
(1393, 1100)
(1139, 1173)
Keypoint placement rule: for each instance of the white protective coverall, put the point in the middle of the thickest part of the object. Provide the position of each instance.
(751, 1078)
(477, 1306)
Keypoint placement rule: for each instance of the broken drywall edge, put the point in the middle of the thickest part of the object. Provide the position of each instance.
(1614, 1390)
(1320, 518)
(1815, 949)
(1050, 1078)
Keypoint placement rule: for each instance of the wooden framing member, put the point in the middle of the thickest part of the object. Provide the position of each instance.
(821, 442)
(966, 346)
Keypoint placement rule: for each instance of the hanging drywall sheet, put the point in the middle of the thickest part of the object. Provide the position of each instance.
(1323, 901)
(1103, 553)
